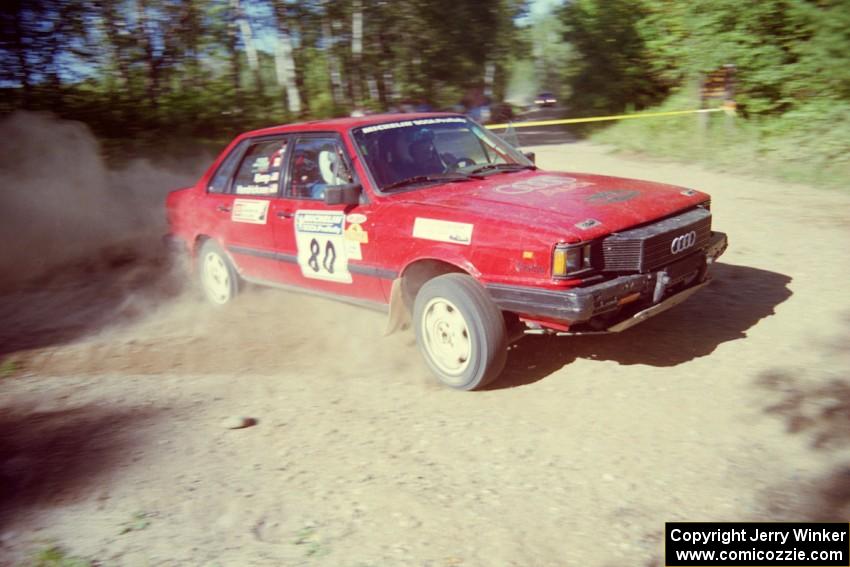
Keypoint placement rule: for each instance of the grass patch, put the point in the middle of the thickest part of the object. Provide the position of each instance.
(139, 522)
(810, 145)
(308, 537)
(9, 367)
(55, 556)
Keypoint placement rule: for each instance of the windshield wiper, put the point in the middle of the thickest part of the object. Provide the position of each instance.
(436, 178)
(506, 167)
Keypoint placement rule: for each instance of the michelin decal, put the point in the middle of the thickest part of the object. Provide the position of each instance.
(322, 250)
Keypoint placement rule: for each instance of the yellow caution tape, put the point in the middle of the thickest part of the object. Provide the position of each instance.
(601, 118)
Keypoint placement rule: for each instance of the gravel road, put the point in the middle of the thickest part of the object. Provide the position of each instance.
(115, 438)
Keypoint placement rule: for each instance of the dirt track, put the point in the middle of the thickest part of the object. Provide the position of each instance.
(733, 406)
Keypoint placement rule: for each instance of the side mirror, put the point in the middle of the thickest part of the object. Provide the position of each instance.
(530, 156)
(348, 194)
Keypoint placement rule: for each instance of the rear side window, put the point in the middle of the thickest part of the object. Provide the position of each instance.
(221, 179)
(259, 172)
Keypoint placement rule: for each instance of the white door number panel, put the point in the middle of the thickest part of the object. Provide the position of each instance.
(321, 245)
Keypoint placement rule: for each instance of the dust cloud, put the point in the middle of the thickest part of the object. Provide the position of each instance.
(263, 331)
(62, 204)
(84, 267)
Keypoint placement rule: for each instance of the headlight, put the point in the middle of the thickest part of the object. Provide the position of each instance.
(570, 259)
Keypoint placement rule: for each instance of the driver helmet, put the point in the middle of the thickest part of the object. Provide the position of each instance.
(423, 140)
(422, 135)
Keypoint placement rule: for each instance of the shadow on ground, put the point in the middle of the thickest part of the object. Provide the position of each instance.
(814, 404)
(821, 414)
(85, 297)
(820, 411)
(737, 299)
(50, 458)
(825, 498)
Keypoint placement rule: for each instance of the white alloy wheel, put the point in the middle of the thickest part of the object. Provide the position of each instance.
(445, 335)
(216, 277)
(460, 331)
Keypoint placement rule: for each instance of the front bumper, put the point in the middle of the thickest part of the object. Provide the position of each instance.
(619, 303)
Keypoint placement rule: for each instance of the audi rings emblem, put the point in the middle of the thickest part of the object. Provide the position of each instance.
(683, 242)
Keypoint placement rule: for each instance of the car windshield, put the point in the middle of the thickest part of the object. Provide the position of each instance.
(418, 152)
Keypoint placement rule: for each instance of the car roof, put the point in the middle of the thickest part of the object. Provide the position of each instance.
(344, 124)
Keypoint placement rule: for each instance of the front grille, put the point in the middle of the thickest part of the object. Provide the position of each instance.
(648, 248)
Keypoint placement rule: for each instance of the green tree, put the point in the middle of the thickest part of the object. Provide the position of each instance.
(610, 70)
(636, 52)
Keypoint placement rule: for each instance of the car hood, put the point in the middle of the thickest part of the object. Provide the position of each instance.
(576, 206)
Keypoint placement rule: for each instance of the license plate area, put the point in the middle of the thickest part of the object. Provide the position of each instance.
(655, 309)
(678, 271)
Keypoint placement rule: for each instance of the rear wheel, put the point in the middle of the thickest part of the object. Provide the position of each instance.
(219, 279)
(460, 331)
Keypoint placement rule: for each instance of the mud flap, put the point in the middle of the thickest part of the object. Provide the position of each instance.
(399, 316)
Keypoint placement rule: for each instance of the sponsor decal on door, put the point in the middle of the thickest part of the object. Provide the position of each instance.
(322, 252)
(250, 211)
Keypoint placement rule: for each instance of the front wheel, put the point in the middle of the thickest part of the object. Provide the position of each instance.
(219, 279)
(460, 331)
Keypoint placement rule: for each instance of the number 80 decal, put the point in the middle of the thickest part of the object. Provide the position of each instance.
(321, 246)
(327, 261)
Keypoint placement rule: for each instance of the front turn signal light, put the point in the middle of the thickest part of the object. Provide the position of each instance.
(568, 260)
(559, 262)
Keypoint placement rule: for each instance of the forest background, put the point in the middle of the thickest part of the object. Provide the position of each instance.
(164, 77)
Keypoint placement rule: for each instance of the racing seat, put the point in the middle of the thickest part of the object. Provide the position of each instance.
(331, 168)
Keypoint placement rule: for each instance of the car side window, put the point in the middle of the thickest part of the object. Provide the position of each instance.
(259, 172)
(219, 181)
(316, 164)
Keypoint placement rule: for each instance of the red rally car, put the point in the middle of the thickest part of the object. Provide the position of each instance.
(438, 221)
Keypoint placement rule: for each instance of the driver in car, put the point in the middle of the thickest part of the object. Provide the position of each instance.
(426, 160)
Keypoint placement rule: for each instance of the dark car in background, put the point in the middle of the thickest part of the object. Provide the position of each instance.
(545, 99)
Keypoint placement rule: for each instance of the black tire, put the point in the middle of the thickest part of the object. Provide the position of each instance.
(466, 352)
(217, 277)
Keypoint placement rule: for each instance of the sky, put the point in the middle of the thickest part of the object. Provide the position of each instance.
(265, 37)
(540, 7)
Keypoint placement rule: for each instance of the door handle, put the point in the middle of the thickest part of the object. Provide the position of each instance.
(223, 208)
(285, 214)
